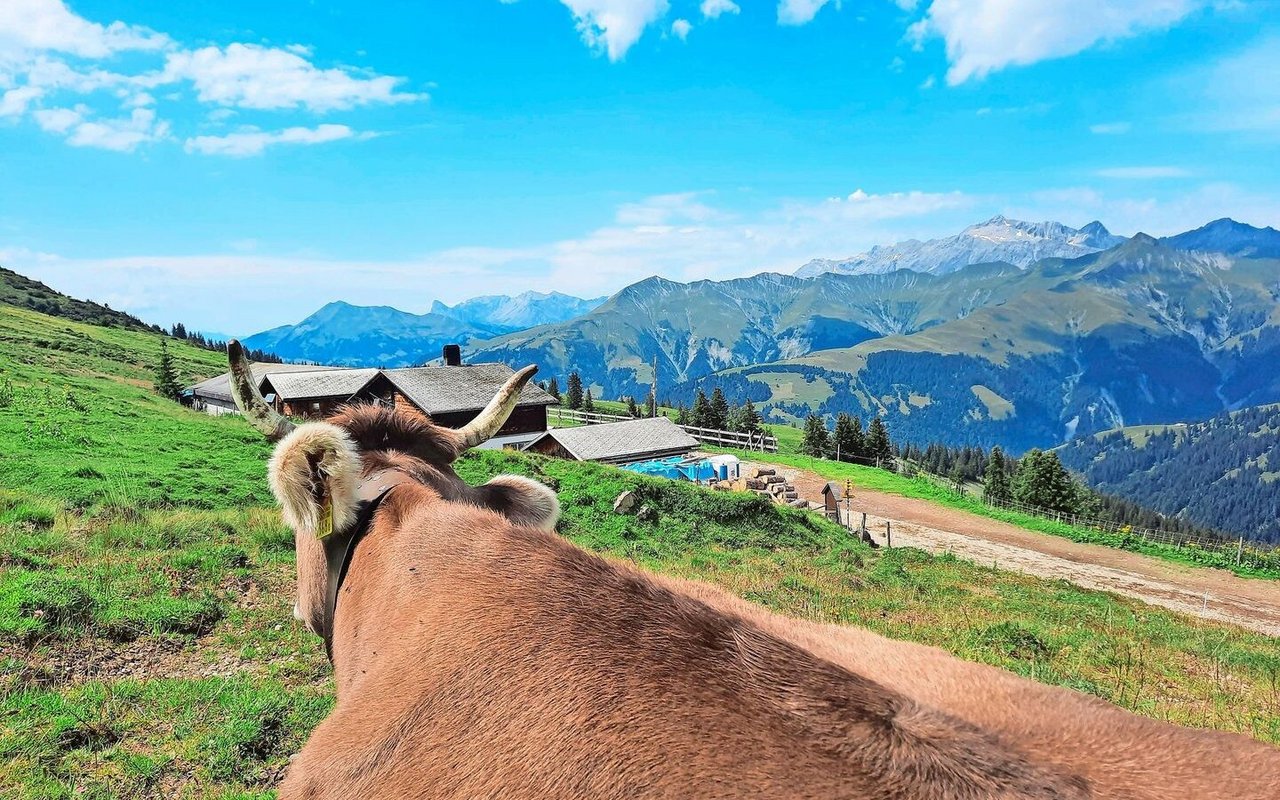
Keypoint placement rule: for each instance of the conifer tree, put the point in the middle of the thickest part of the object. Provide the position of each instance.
(553, 389)
(748, 419)
(848, 437)
(651, 406)
(575, 391)
(167, 384)
(698, 417)
(588, 405)
(632, 410)
(1043, 482)
(995, 481)
(682, 415)
(816, 440)
(717, 411)
(878, 446)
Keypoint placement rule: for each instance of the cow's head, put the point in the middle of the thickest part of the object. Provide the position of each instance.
(317, 468)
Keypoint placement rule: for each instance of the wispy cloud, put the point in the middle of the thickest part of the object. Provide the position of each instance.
(253, 142)
(680, 29)
(1236, 93)
(984, 36)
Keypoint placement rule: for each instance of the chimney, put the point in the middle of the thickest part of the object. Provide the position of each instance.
(452, 355)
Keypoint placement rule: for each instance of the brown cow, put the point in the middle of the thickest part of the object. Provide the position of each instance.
(477, 654)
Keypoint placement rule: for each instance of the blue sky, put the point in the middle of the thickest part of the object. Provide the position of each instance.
(235, 165)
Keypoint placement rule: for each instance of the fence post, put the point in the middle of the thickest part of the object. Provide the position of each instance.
(1239, 550)
(888, 534)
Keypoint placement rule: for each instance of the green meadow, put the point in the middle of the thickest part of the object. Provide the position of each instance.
(147, 646)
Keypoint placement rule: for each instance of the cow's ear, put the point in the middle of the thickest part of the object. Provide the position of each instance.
(522, 500)
(314, 474)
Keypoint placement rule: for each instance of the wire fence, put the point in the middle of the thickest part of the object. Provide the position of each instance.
(759, 442)
(1237, 551)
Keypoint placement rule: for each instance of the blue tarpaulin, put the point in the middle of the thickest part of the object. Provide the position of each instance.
(676, 469)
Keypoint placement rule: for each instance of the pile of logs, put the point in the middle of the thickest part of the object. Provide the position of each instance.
(768, 482)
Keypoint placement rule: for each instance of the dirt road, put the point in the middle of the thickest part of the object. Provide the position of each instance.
(1200, 591)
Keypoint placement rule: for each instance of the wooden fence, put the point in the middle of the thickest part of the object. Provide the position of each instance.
(760, 442)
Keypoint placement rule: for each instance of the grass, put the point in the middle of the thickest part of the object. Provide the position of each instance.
(1265, 564)
(147, 647)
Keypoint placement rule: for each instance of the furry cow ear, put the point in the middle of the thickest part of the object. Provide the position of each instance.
(522, 500)
(314, 474)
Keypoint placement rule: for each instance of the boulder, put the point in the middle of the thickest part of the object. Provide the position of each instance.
(625, 502)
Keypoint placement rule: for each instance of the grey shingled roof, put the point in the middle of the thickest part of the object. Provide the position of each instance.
(619, 441)
(219, 387)
(444, 390)
(320, 383)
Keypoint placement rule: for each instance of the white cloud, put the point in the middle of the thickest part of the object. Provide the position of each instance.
(1110, 128)
(122, 134)
(800, 12)
(253, 142)
(40, 25)
(14, 102)
(37, 35)
(712, 9)
(252, 76)
(680, 29)
(58, 120)
(613, 26)
(1143, 173)
(984, 36)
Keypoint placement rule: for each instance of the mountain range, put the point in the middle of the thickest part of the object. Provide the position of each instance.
(990, 353)
(347, 335)
(1008, 241)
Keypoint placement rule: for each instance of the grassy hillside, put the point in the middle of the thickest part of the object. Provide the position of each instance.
(147, 647)
(23, 292)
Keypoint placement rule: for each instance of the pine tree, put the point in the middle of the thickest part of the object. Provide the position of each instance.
(878, 447)
(698, 416)
(575, 391)
(588, 405)
(995, 481)
(632, 409)
(682, 415)
(1044, 483)
(553, 389)
(748, 419)
(848, 438)
(816, 440)
(717, 411)
(651, 406)
(167, 384)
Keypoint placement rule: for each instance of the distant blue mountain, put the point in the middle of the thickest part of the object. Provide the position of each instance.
(381, 336)
(1228, 236)
(366, 336)
(517, 313)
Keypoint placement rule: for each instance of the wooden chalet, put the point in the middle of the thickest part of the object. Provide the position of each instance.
(450, 395)
(626, 442)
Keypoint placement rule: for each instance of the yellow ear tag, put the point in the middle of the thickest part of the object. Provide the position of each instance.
(325, 527)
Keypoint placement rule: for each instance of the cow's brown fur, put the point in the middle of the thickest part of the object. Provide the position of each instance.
(475, 657)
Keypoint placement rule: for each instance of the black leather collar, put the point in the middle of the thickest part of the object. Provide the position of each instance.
(340, 546)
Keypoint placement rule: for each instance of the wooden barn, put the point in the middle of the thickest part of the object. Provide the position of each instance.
(625, 442)
(454, 395)
(450, 395)
(213, 396)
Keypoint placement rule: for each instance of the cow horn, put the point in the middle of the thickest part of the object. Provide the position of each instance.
(494, 416)
(249, 400)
